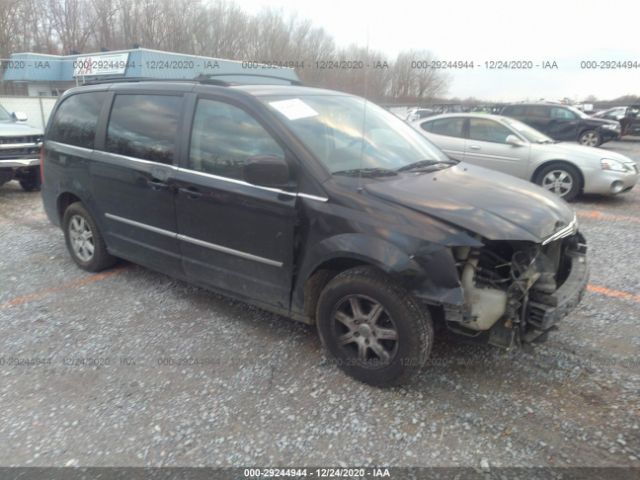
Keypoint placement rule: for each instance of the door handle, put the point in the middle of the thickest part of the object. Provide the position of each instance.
(190, 192)
(156, 184)
(474, 147)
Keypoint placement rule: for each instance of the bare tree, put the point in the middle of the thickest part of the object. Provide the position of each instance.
(72, 22)
(413, 78)
(216, 28)
(105, 33)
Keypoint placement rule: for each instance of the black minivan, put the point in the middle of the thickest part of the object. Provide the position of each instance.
(314, 204)
(565, 123)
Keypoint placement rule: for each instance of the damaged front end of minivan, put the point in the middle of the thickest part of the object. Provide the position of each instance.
(515, 264)
(515, 292)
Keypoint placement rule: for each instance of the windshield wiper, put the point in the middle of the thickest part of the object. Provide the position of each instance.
(367, 172)
(424, 164)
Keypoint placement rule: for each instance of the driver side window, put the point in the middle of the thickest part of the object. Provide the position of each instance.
(224, 137)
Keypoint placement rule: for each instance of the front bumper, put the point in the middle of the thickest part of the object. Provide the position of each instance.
(606, 182)
(545, 311)
(20, 163)
(607, 134)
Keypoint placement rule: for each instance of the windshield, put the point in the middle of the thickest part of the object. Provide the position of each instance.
(350, 134)
(531, 134)
(4, 115)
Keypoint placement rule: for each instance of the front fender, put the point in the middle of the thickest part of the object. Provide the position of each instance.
(359, 246)
(429, 272)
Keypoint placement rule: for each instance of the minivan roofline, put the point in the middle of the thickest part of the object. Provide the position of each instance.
(190, 85)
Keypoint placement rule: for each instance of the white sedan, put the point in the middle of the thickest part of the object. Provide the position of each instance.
(510, 146)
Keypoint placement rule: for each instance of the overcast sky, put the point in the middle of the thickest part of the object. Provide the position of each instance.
(566, 31)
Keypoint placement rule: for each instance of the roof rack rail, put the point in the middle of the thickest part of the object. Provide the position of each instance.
(99, 81)
(211, 77)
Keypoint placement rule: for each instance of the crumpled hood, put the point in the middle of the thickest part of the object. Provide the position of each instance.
(491, 204)
(13, 129)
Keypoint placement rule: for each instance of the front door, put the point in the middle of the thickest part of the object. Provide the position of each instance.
(538, 117)
(234, 236)
(563, 124)
(487, 147)
(131, 174)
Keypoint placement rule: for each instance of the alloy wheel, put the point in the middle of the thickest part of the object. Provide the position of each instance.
(559, 182)
(81, 237)
(589, 139)
(365, 330)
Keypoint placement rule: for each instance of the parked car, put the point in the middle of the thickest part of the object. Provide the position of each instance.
(418, 113)
(615, 113)
(316, 205)
(510, 146)
(564, 123)
(629, 118)
(19, 150)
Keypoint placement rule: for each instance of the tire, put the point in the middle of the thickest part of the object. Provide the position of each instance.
(94, 256)
(30, 182)
(552, 177)
(6, 175)
(30, 185)
(356, 342)
(590, 138)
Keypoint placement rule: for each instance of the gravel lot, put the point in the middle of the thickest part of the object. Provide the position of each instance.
(132, 368)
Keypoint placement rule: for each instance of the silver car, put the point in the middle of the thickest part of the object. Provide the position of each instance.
(510, 146)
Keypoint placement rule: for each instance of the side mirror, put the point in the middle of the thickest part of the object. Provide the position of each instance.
(515, 141)
(20, 116)
(267, 171)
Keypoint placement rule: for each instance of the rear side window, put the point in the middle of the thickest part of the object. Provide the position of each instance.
(144, 126)
(76, 118)
(540, 111)
(514, 110)
(224, 137)
(451, 127)
(426, 126)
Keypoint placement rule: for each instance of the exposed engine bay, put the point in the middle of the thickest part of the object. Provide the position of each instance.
(516, 291)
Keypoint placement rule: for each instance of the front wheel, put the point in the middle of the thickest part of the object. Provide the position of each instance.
(563, 180)
(374, 330)
(30, 181)
(590, 138)
(30, 185)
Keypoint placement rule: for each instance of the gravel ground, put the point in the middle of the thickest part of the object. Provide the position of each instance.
(132, 368)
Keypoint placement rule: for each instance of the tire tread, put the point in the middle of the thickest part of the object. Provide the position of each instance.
(102, 259)
(420, 321)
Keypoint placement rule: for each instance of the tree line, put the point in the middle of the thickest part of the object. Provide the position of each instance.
(216, 28)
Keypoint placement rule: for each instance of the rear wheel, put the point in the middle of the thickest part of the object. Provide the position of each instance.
(374, 330)
(590, 138)
(83, 239)
(561, 179)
